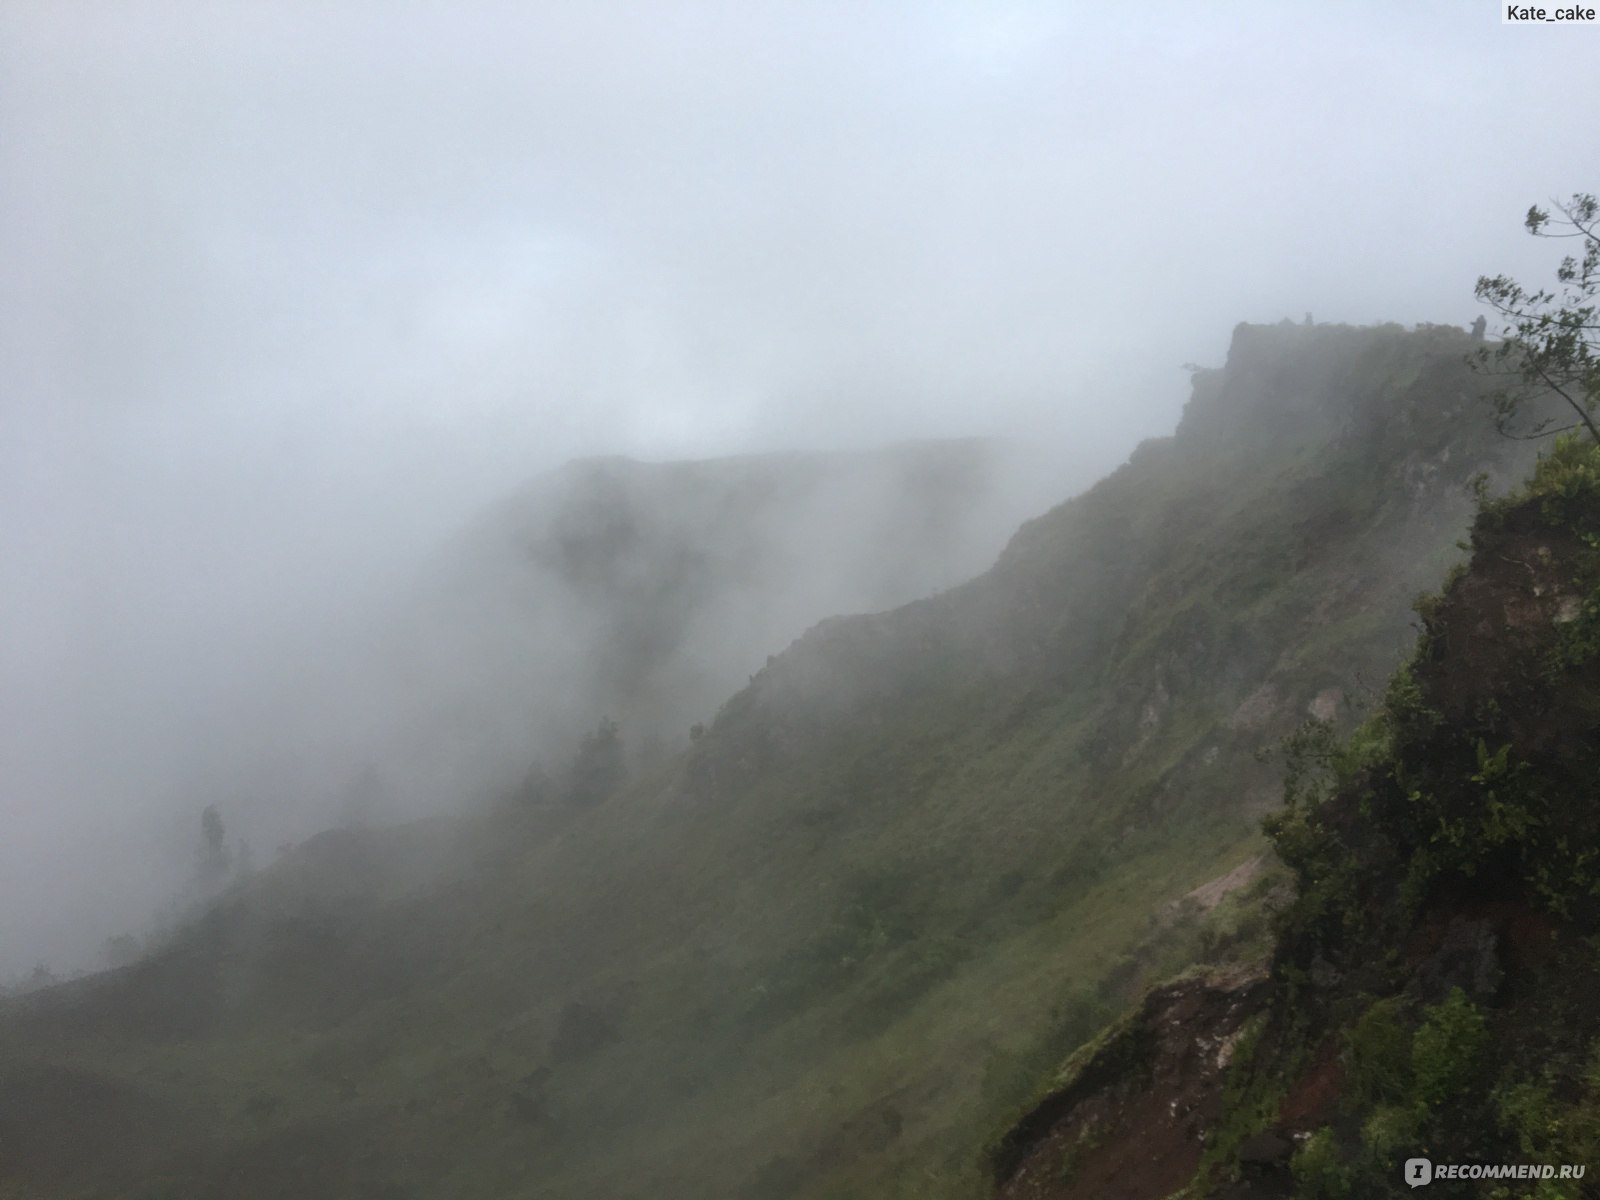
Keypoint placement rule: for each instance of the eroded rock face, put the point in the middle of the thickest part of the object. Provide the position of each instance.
(1130, 1122)
(1467, 957)
(1325, 704)
(1258, 708)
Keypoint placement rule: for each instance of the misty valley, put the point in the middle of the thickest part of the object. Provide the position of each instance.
(839, 936)
(685, 601)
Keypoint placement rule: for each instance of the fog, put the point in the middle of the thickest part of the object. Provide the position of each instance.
(292, 297)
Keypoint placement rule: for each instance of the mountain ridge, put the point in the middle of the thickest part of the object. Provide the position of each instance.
(921, 856)
(1430, 991)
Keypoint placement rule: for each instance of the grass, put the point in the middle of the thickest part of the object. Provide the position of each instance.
(862, 923)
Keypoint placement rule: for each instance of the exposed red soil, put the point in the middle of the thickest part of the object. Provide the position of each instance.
(1525, 936)
(1130, 1124)
(1484, 639)
(1310, 1101)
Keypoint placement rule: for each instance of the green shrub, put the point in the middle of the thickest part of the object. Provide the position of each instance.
(1567, 482)
(1319, 1169)
(1391, 1134)
(1447, 1048)
(1549, 1127)
(1378, 1054)
(1529, 1113)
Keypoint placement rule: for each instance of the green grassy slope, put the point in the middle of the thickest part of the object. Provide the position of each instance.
(1432, 984)
(653, 589)
(831, 949)
(1443, 949)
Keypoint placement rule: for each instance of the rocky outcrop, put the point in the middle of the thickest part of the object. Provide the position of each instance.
(1131, 1119)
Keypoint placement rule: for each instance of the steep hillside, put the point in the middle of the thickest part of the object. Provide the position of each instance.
(679, 578)
(643, 592)
(834, 946)
(1432, 985)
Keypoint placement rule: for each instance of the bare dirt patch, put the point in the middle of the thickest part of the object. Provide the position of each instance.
(1129, 1125)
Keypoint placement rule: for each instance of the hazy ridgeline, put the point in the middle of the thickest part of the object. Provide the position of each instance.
(679, 600)
(286, 294)
(835, 942)
(646, 593)
(609, 588)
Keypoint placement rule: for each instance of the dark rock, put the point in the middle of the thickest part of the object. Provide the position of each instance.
(1467, 958)
(1324, 974)
(1268, 1146)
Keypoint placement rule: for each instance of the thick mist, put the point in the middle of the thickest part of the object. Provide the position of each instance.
(646, 593)
(297, 301)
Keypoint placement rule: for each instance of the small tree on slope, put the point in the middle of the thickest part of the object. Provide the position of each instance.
(1551, 345)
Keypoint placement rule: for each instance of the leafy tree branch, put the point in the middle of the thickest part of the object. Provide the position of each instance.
(1551, 338)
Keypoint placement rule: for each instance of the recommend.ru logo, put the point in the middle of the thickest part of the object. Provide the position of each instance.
(1419, 1171)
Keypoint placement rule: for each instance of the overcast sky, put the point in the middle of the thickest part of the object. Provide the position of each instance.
(287, 291)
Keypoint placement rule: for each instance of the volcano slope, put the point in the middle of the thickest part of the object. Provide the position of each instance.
(1431, 992)
(833, 948)
(652, 590)
(643, 592)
